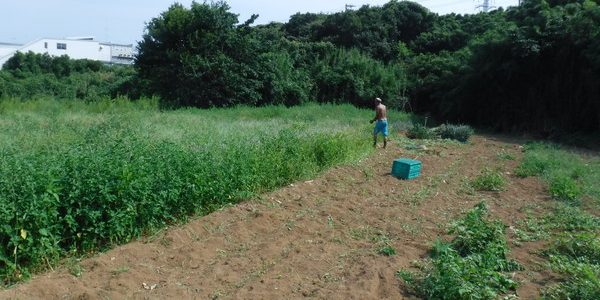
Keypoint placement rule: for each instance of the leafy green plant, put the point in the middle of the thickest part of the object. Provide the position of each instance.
(565, 188)
(387, 251)
(474, 234)
(471, 266)
(489, 181)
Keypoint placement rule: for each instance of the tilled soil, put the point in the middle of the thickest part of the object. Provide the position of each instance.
(318, 238)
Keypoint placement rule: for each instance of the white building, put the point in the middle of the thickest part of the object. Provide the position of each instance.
(75, 48)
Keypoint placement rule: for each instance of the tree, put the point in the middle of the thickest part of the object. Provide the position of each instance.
(199, 57)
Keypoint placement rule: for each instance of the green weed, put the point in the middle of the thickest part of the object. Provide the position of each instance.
(573, 219)
(119, 270)
(472, 266)
(387, 251)
(583, 283)
(565, 189)
(489, 181)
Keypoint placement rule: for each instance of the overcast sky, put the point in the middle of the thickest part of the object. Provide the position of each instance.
(123, 21)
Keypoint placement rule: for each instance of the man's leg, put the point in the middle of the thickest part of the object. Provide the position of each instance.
(385, 134)
(375, 140)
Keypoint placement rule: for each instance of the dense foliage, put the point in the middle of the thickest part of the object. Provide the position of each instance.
(208, 61)
(30, 75)
(533, 67)
(80, 177)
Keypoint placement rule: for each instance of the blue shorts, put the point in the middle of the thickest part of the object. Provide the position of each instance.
(381, 126)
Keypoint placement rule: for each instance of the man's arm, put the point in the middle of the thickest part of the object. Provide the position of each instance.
(375, 118)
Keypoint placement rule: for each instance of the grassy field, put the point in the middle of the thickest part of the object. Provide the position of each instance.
(77, 178)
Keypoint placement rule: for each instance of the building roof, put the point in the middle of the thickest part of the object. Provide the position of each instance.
(10, 44)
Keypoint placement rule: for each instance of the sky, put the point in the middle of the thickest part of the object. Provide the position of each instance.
(123, 21)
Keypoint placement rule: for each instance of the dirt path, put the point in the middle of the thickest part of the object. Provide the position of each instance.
(316, 239)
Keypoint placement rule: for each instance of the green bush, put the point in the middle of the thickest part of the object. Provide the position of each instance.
(350, 76)
(30, 75)
(461, 133)
(420, 132)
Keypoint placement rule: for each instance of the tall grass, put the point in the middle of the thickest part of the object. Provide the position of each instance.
(80, 177)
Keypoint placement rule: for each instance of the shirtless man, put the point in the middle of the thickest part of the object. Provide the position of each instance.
(381, 126)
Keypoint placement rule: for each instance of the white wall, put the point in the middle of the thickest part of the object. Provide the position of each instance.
(75, 49)
(105, 54)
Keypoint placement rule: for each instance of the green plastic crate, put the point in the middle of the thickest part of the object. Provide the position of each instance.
(405, 168)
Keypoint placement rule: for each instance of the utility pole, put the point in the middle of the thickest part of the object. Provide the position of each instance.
(487, 5)
(349, 6)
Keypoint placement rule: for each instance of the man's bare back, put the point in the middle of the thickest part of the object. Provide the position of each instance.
(380, 112)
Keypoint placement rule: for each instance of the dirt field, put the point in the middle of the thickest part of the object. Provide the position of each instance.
(315, 239)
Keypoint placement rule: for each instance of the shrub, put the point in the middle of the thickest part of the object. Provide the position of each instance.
(461, 133)
(419, 131)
